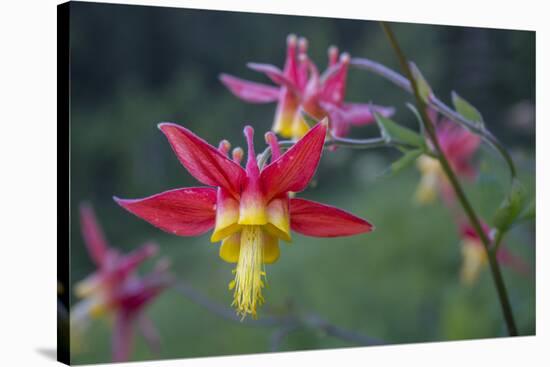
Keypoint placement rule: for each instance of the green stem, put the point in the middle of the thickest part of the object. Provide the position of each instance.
(435, 103)
(470, 212)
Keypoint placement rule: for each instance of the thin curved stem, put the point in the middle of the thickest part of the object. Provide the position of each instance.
(470, 212)
(435, 103)
(284, 323)
(371, 143)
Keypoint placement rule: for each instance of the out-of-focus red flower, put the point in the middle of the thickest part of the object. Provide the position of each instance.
(116, 289)
(249, 209)
(474, 256)
(301, 86)
(459, 146)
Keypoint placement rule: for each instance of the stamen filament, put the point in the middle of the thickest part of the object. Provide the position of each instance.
(248, 275)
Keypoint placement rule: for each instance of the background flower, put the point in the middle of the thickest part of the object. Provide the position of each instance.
(459, 146)
(474, 256)
(300, 87)
(116, 289)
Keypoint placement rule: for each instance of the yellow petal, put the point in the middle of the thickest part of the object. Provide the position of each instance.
(230, 248)
(252, 209)
(431, 174)
(227, 216)
(284, 115)
(427, 164)
(270, 249)
(473, 260)
(427, 189)
(88, 286)
(299, 127)
(279, 219)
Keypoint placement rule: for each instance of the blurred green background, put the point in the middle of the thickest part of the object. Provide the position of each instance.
(134, 66)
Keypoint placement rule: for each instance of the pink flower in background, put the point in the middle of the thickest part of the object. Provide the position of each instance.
(474, 256)
(115, 288)
(459, 146)
(300, 86)
(248, 209)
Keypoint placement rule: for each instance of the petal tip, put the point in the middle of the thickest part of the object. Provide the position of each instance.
(323, 124)
(248, 131)
(165, 125)
(371, 227)
(226, 79)
(345, 57)
(85, 206)
(151, 249)
(162, 125)
(302, 44)
(122, 202)
(291, 39)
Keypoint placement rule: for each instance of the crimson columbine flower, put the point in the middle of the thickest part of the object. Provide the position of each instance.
(459, 146)
(299, 86)
(249, 209)
(115, 288)
(474, 256)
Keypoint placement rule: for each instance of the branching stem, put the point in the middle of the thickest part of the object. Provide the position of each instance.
(470, 212)
(438, 105)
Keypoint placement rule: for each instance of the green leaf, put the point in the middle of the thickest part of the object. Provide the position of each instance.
(406, 160)
(529, 212)
(392, 131)
(510, 208)
(467, 110)
(412, 107)
(424, 88)
(310, 120)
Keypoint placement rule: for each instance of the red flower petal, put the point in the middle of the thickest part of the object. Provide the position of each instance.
(275, 74)
(456, 141)
(334, 80)
(359, 114)
(184, 212)
(130, 262)
(202, 160)
(318, 220)
(293, 170)
(250, 91)
(149, 333)
(93, 235)
(505, 257)
(122, 337)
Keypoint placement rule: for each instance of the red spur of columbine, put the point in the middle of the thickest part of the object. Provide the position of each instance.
(301, 87)
(459, 146)
(116, 289)
(249, 209)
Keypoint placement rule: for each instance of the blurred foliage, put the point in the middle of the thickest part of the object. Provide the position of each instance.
(133, 66)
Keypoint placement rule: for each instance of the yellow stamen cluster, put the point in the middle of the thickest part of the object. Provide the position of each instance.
(248, 282)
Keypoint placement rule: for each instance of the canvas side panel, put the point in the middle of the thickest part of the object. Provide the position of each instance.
(63, 177)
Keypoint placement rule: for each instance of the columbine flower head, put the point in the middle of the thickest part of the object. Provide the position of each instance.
(115, 288)
(459, 146)
(474, 256)
(249, 209)
(301, 87)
